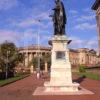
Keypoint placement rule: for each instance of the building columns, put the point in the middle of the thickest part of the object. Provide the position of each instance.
(30, 57)
(26, 59)
(46, 67)
(32, 69)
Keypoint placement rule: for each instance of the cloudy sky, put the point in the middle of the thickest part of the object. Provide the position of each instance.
(19, 22)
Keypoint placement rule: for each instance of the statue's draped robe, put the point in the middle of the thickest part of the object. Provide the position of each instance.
(59, 19)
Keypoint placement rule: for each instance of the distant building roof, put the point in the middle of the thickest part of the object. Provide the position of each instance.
(83, 49)
(35, 47)
(96, 5)
(73, 50)
(92, 51)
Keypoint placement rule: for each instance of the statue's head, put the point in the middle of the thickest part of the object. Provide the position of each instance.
(57, 1)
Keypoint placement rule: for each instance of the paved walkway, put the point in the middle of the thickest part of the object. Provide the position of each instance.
(23, 90)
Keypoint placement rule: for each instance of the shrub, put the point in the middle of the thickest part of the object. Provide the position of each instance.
(82, 69)
(3, 75)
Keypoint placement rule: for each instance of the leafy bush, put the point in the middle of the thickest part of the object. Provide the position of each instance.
(9, 56)
(23, 73)
(11, 80)
(3, 75)
(90, 75)
(82, 69)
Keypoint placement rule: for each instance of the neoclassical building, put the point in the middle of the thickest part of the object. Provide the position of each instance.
(32, 51)
(78, 57)
(83, 56)
(96, 7)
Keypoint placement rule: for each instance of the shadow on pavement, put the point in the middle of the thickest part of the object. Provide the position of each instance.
(80, 79)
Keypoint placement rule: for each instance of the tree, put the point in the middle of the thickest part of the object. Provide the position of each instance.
(21, 57)
(35, 62)
(47, 59)
(9, 56)
(42, 59)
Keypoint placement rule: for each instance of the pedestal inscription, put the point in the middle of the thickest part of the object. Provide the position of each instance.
(60, 55)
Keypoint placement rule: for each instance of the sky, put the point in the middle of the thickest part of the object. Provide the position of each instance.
(19, 22)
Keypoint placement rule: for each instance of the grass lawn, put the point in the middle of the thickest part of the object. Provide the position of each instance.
(90, 75)
(11, 80)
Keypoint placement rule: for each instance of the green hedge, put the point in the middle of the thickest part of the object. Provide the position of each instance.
(11, 80)
(82, 69)
(90, 75)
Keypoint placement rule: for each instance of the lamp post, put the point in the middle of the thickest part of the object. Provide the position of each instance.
(38, 47)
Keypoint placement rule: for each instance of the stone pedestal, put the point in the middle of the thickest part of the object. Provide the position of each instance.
(60, 77)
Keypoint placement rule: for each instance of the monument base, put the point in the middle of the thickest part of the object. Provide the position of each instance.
(60, 76)
(72, 87)
(42, 91)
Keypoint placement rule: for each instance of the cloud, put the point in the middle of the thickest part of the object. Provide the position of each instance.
(85, 26)
(92, 43)
(77, 42)
(86, 9)
(14, 36)
(9, 35)
(38, 20)
(30, 37)
(28, 22)
(22, 38)
(86, 18)
(8, 4)
(83, 15)
(44, 16)
(73, 11)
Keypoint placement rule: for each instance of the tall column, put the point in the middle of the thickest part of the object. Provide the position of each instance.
(98, 25)
(32, 69)
(30, 57)
(26, 59)
(33, 54)
(46, 67)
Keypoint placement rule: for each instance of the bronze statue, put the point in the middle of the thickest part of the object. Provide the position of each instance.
(59, 18)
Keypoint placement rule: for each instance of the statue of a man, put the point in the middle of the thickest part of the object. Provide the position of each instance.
(59, 18)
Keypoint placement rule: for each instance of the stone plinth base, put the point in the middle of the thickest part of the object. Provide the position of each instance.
(72, 87)
(41, 91)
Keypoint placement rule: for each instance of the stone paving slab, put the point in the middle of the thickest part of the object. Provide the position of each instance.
(24, 89)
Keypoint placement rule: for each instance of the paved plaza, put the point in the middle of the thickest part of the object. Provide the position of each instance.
(23, 90)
